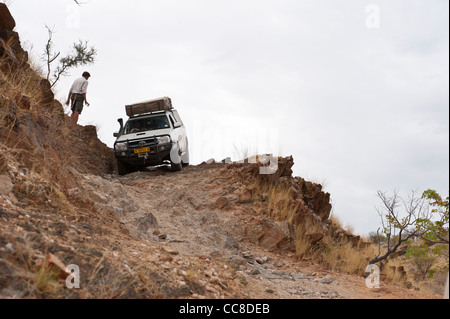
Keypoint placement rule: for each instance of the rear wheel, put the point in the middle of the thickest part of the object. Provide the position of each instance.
(185, 156)
(176, 167)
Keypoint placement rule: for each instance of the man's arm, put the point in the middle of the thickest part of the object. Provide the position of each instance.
(85, 101)
(68, 98)
(84, 87)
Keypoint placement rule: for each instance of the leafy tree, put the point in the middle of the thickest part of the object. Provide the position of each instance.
(424, 218)
(80, 55)
(436, 227)
(436, 233)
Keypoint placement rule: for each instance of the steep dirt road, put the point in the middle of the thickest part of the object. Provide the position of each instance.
(197, 214)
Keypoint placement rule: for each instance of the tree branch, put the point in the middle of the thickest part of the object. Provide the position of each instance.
(414, 209)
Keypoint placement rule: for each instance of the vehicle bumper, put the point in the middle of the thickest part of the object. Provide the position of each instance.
(156, 155)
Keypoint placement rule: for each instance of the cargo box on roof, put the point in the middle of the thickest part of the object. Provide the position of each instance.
(155, 105)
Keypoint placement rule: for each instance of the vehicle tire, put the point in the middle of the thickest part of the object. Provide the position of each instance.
(185, 159)
(176, 162)
(123, 168)
(185, 156)
(176, 167)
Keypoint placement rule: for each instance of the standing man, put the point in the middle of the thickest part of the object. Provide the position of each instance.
(77, 95)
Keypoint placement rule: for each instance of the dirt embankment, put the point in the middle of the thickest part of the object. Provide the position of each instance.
(210, 231)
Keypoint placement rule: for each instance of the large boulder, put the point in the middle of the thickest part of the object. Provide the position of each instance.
(313, 196)
(275, 235)
(6, 20)
(9, 39)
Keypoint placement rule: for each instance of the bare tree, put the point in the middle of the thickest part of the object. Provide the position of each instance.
(397, 226)
(49, 55)
(80, 55)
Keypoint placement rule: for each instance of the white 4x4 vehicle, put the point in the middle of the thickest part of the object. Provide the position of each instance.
(153, 135)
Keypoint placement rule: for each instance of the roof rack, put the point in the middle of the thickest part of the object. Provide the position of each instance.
(150, 106)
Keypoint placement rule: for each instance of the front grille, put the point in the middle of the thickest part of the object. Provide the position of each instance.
(142, 143)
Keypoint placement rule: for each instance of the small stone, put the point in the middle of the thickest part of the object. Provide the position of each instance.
(211, 289)
(10, 247)
(221, 202)
(53, 262)
(270, 291)
(74, 192)
(245, 197)
(215, 254)
(162, 236)
(261, 260)
(169, 250)
(182, 273)
(13, 198)
(166, 259)
(6, 186)
(328, 281)
(255, 272)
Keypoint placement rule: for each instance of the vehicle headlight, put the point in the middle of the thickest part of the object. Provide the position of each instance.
(164, 140)
(120, 147)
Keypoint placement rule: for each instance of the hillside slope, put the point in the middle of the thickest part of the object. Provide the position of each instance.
(210, 231)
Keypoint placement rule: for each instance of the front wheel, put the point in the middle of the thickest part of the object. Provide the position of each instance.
(175, 159)
(123, 168)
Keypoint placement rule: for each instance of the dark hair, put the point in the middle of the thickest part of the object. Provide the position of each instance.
(86, 74)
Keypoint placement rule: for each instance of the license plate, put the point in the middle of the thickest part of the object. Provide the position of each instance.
(142, 150)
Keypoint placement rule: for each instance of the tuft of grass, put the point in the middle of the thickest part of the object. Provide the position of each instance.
(280, 204)
(44, 281)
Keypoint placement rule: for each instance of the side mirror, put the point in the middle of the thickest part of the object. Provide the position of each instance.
(115, 134)
(177, 124)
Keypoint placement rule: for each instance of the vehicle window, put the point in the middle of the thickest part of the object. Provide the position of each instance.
(176, 116)
(172, 120)
(146, 124)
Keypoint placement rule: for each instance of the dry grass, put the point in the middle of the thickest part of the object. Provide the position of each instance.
(280, 205)
(21, 83)
(394, 272)
(44, 281)
(39, 143)
(339, 253)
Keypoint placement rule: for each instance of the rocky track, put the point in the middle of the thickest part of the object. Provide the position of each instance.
(199, 214)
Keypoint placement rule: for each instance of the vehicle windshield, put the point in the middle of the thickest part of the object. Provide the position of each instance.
(146, 124)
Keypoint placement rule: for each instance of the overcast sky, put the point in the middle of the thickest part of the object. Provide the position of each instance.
(356, 91)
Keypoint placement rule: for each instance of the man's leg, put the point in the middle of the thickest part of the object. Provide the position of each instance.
(74, 120)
